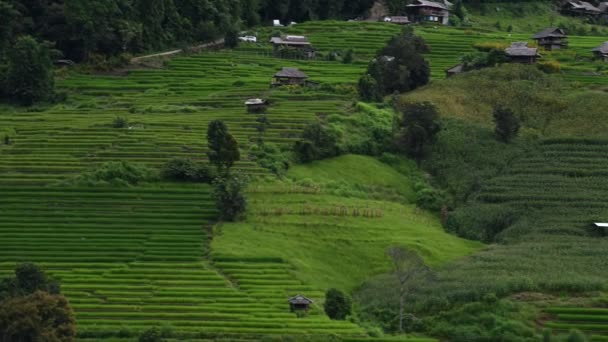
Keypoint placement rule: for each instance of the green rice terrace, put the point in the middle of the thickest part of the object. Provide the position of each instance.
(131, 258)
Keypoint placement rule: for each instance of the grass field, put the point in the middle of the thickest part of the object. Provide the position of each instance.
(132, 258)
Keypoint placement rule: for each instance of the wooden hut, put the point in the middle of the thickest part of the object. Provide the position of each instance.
(601, 228)
(580, 8)
(455, 70)
(289, 76)
(295, 42)
(519, 52)
(299, 303)
(601, 52)
(551, 39)
(256, 105)
(429, 11)
(399, 20)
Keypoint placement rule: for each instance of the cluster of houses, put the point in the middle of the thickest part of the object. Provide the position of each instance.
(548, 39)
(585, 9)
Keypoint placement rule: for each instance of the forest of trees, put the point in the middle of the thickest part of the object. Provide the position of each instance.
(81, 28)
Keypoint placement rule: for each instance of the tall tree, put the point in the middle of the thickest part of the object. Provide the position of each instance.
(418, 128)
(8, 24)
(337, 305)
(507, 124)
(30, 72)
(223, 147)
(409, 270)
(39, 316)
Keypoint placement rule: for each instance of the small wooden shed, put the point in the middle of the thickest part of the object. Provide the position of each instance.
(601, 52)
(295, 42)
(601, 228)
(551, 39)
(289, 76)
(256, 105)
(519, 52)
(299, 303)
(455, 70)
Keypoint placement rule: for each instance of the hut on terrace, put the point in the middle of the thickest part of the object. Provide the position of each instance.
(299, 43)
(289, 76)
(299, 303)
(551, 38)
(430, 11)
(601, 52)
(580, 8)
(601, 228)
(256, 105)
(519, 52)
(399, 20)
(455, 70)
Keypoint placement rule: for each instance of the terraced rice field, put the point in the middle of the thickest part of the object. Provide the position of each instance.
(593, 321)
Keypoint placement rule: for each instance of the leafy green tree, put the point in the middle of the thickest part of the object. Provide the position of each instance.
(223, 147)
(459, 11)
(318, 142)
(231, 40)
(7, 25)
(28, 279)
(348, 56)
(368, 89)
(337, 305)
(228, 191)
(418, 128)
(30, 72)
(507, 124)
(576, 336)
(39, 316)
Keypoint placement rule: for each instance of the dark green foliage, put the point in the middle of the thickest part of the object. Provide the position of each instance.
(30, 72)
(231, 39)
(400, 66)
(489, 320)
(368, 89)
(576, 336)
(348, 56)
(223, 148)
(39, 316)
(460, 12)
(228, 191)
(120, 122)
(418, 128)
(318, 142)
(272, 157)
(481, 222)
(507, 124)
(337, 305)
(120, 173)
(28, 279)
(186, 170)
(151, 335)
(482, 59)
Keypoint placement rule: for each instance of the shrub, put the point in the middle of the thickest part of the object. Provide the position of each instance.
(481, 221)
(550, 67)
(151, 335)
(368, 89)
(272, 157)
(223, 147)
(228, 191)
(318, 142)
(348, 57)
(418, 128)
(184, 169)
(121, 173)
(120, 122)
(576, 336)
(507, 124)
(30, 72)
(337, 305)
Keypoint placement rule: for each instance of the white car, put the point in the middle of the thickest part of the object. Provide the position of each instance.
(251, 39)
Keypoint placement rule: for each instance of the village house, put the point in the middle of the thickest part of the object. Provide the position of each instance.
(519, 52)
(299, 303)
(256, 105)
(296, 42)
(430, 11)
(289, 76)
(551, 39)
(601, 52)
(580, 8)
(399, 20)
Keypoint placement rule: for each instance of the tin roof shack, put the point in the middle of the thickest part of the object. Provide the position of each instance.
(299, 303)
(430, 11)
(580, 8)
(600, 228)
(455, 70)
(551, 39)
(289, 76)
(601, 52)
(256, 105)
(297, 43)
(519, 52)
(399, 20)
